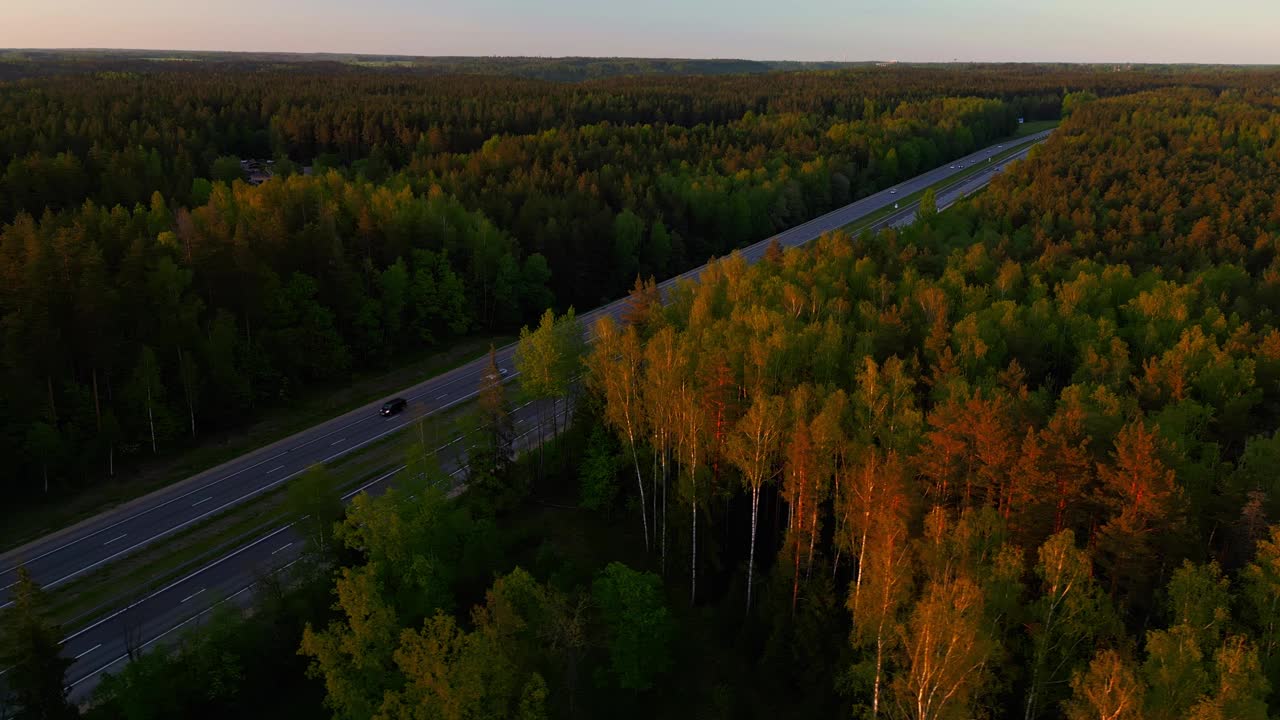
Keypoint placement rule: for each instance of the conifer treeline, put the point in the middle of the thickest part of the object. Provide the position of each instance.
(150, 296)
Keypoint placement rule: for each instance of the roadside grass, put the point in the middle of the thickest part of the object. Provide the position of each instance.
(907, 200)
(117, 584)
(316, 405)
(1031, 128)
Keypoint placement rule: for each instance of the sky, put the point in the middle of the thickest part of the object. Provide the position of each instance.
(1111, 31)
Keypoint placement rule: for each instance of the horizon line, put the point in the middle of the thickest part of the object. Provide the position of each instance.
(632, 57)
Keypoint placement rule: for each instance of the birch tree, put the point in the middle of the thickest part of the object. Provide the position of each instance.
(1109, 689)
(754, 448)
(945, 653)
(661, 385)
(691, 439)
(614, 373)
(881, 543)
(1069, 616)
(549, 359)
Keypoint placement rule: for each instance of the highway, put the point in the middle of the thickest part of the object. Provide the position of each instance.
(61, 557)
(160, 616)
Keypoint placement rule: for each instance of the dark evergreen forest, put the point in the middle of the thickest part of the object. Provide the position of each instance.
(151, 296)
(1015, 460)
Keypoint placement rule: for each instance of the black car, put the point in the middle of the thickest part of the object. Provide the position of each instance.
(393, 406)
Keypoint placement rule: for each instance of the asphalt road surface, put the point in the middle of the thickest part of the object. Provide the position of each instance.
(65, 555)
(162, 615)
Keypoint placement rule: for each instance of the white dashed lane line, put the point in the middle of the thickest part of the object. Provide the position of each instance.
(86, 652)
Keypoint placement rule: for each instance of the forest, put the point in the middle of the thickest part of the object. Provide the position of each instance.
(1015, 460)
(152, 298)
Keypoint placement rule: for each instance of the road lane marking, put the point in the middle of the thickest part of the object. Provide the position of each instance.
(155, 639)
(86, 652)
(198, 502)
(282, 547)
(1029, 143)
(373, 482)
(278, 467)
(183, 496)
(441, 397)
(358, 417)
(339, 441)
(118, 537)
(174, 584)
(188, 621)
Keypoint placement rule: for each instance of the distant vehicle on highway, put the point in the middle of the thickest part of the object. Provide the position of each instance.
(893, 191)
(393, 406)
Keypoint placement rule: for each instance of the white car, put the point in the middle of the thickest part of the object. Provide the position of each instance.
(893, 191)
(953, 167)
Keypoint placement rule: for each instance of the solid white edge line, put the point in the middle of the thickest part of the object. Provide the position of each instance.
(371, 483)
(86, 652)
(100, 670)
(206, 486)
(175, 583)
(1029, 143)
(155, 639)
